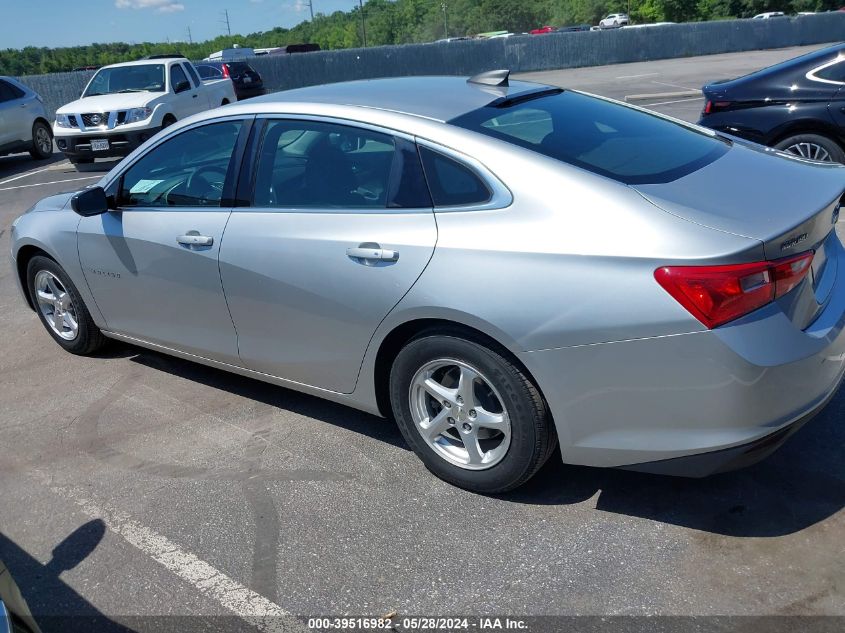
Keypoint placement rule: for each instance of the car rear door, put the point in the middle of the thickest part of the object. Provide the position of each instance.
(338, 229)
(151, 264)
(17, 120)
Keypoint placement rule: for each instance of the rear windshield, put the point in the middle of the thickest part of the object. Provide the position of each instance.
(238, 67)
(613, 140)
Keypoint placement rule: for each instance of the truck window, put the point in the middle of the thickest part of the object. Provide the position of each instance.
(192, 73)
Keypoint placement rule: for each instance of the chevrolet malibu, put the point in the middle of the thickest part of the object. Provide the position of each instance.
(502, 267)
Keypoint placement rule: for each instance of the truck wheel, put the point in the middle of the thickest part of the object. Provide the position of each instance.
(225, 102)
(42, 141)
(168, 120)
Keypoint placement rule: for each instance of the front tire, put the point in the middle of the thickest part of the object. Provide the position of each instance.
(469, 413)
(42, 141)
(60, 308)
(813, 147)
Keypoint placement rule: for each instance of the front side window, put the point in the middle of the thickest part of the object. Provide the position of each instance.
(136, 78)
(609, 139)
(309, 164)
(178, 79)
(187, 170)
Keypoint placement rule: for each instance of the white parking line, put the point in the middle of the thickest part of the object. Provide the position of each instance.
(253, 608)
(663, 83)
(52, 182)
(29, 173)
(646, 105)
(635, 76)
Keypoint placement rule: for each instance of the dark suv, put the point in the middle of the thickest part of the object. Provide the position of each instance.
(246, 80)
(797, 106)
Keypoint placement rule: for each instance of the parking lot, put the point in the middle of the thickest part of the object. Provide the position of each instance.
(137, 485)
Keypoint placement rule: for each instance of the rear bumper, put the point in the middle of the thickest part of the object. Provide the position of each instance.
(248, 92)
(120, 144)
(720, 398)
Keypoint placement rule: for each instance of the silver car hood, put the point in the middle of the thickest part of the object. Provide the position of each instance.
(756, 193)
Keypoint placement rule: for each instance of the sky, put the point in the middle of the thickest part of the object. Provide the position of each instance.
(56, 23)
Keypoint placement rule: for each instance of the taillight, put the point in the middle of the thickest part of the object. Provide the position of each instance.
(708, 107)
(714, 106)
(226, 71)
(716, 295)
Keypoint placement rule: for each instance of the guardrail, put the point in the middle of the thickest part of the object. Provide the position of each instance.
(519, 53)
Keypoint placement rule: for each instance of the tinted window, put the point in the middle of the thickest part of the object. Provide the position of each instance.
(209, 72)
(452, 184)
(177, 76)
(236, 69)
(836, 72)
(187, 170)
(8, 92)
(622, 143)
(307, 164)
(141, 78)
(192, 73)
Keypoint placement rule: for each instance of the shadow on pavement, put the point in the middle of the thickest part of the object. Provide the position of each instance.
(801, 484)
(16, 164)
(57, 608)
(279, 397)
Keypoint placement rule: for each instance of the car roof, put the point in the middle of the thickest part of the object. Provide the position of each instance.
(148, 62)
(437, 98)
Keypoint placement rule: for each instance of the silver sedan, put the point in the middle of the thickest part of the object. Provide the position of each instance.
(502, 267)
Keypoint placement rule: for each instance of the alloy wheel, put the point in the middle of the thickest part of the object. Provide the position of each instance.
(43, 140)
(459, 414)
(811, 151)
(56, 305)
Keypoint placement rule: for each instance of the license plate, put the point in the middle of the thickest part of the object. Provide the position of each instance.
(99, 145)
(247, 80)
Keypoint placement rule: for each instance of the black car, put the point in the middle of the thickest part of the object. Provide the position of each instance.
(797, 106)
(247, 81)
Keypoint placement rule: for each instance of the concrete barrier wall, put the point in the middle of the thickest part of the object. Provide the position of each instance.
(520, 54)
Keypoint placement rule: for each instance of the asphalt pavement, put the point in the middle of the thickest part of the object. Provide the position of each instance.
(135, 485)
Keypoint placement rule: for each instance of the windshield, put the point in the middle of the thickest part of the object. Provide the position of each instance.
(143, 78)
(606, 138)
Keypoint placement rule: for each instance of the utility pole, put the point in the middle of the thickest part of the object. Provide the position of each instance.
(363, 23)
(445, 7)
(190, 39)
(311, 8)
(226, 20)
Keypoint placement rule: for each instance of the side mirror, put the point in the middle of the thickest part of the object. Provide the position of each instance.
(90, 202)
(182, 86)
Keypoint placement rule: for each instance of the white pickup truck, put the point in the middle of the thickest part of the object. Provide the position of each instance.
(125, 104)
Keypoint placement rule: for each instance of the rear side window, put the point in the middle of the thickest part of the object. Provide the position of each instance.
(451, 183)
(209, 72)
(8, 92)
(834, 72)
(613, 140)
(316, 165)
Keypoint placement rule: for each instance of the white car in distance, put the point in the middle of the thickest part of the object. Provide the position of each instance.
(125, 104)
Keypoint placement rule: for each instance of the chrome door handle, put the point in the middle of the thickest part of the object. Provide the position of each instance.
(193, 238)
(372, 254)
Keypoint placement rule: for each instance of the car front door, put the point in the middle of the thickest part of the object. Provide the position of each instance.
(152, 264)
(339, 228)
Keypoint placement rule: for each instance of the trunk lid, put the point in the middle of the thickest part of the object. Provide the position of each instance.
(789, 205)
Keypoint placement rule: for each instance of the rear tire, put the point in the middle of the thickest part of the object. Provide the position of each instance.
(60, 308)
(42, 141)
(488, 429)
(814, 147)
